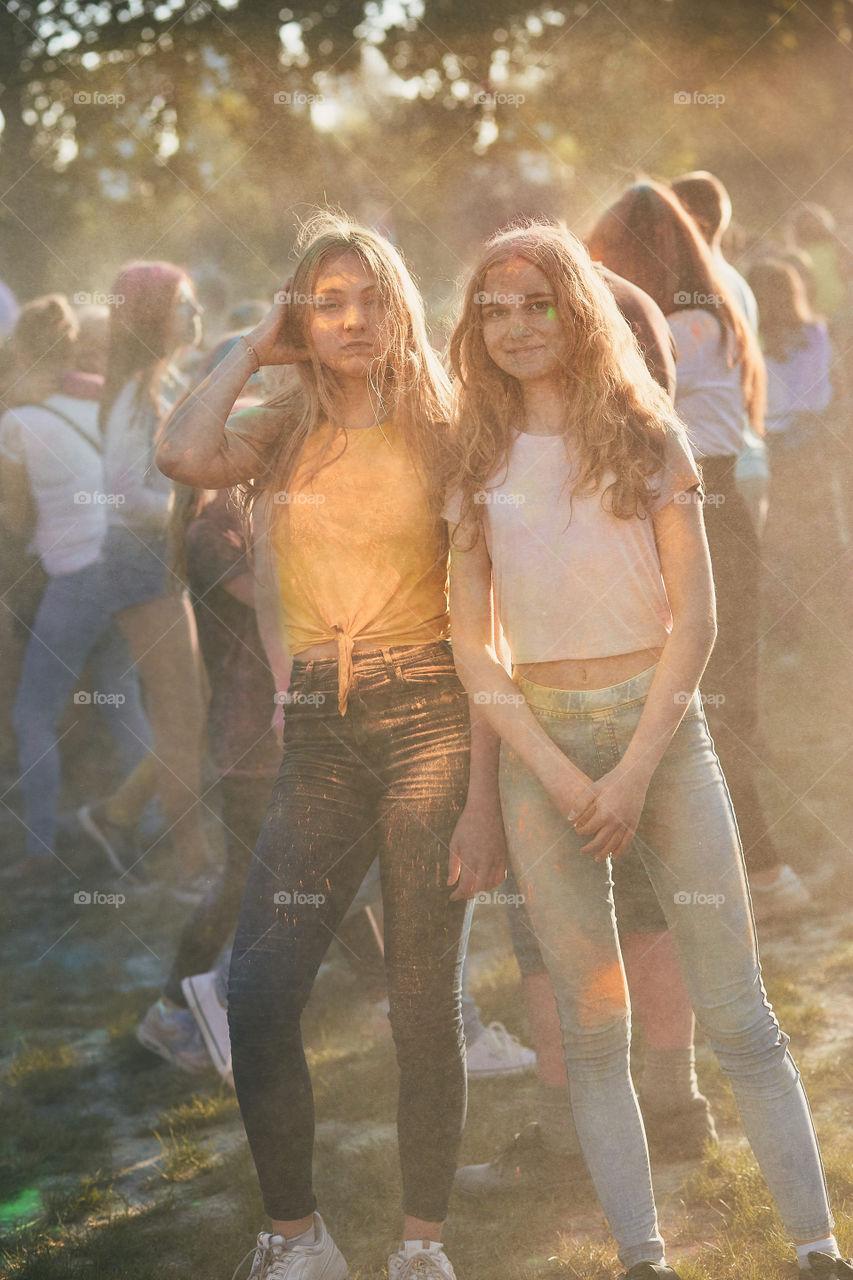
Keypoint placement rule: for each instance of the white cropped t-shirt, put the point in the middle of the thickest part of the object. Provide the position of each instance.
(571, 580)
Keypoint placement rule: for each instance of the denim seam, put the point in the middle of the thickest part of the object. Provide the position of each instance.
(560, 713)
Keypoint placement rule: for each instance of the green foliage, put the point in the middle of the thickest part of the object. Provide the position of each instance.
(188, 140)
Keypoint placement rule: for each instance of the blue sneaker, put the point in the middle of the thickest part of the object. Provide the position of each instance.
(173, 1034)
(651, 1271)
(827, 1267)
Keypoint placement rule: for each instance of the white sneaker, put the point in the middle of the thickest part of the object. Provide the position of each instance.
(497, 1053)
(211, 1015)
(321, 1260)
(420, 1260)
(784, 896)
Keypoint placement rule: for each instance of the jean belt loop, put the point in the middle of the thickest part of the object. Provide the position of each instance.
(392, 666)
(309, 675)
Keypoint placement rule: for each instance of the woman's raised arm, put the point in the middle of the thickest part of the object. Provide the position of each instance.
(195, 448)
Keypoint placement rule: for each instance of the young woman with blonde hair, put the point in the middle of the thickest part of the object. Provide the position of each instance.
(346, 469)
(577, 501)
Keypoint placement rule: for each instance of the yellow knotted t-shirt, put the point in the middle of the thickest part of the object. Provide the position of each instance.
(360, 553)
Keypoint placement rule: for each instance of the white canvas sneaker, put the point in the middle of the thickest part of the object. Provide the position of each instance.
(420, 1260)
(498, 1053)
(211, 1016)
(321, 1260)
(786, 895)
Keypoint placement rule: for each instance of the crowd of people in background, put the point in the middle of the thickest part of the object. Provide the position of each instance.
(291, 689)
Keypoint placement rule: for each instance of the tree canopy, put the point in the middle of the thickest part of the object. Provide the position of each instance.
(198, 131)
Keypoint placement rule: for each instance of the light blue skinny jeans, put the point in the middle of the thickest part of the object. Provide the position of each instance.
(73, 626)
(688, 840)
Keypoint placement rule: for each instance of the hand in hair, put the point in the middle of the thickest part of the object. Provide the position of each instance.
(271, 340)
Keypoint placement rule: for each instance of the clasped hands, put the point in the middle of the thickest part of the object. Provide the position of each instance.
(607, 810)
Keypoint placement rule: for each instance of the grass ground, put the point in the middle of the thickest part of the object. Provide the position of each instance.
(115, 1167)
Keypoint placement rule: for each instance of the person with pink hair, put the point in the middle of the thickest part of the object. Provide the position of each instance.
(154, 315)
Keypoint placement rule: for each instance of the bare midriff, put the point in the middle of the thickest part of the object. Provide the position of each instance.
(589, 673)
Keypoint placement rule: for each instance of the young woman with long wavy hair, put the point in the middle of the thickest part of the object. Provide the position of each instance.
(648, 237)
(345, 472)
(576, 502)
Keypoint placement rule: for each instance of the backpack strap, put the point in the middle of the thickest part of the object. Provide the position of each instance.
(57, 413)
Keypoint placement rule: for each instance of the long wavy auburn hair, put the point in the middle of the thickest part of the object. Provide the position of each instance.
(407, 381)
(649, 238)
(616, 416)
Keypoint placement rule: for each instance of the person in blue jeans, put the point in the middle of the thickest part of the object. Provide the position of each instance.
(349, 464)
(578, 504)
(51, 451)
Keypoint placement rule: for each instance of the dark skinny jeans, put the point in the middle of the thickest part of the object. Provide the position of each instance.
(389, 778)
(730, 682)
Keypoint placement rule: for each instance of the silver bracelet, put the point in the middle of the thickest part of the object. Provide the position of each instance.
(251, 349)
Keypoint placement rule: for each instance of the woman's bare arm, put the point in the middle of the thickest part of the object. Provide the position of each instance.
(195, 448)
(687, 576)
(686, 569)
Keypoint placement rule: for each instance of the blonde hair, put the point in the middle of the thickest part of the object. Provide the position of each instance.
(187, 505)
(616, 415)
(407, 380)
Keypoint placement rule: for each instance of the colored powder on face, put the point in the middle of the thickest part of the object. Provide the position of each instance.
(552, 313)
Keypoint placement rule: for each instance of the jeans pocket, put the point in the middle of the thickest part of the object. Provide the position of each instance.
(429, 674)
